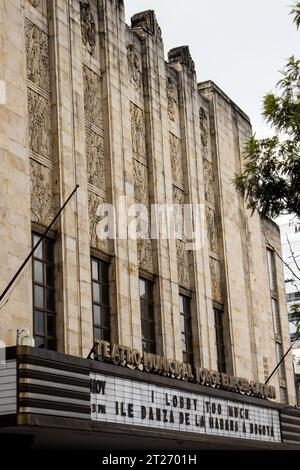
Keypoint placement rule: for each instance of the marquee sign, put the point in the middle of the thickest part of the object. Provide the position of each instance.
(125, 401)
(124, 356)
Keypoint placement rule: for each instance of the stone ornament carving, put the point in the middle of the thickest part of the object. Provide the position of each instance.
(138, 130)
(178, 200)
(88, 28)
(208, 181)
(94, 200)
(39, 124)
(215, 279)
(41, 193)
(134, 67)
(35, 3)
(95, 159)
(203, 127)
(146, 20)
(211, 230)
(182, 55)
(37, 56)
(144, 252)
(172, 99)
(92, 97)
(140, 172)
(183, 264)
(176, 160)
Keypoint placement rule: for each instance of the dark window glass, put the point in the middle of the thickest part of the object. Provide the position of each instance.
(221, 357)
(100, 293)
(186, 329)
(147, 316)
(44, 294)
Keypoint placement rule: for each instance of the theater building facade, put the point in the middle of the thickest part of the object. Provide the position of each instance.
(116, 341)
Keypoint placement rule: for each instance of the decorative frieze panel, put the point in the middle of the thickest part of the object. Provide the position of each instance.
(211, 230)
(134, 67)
(95, 159)
(144, 251)
(88, 27)
(39, 115)
(215, 274)
(138, 131)
(183, 264)
(41, 193)
(140, 183)
(37, 56)
(35, 3)
(203, 127)
(172, 98)
(94, 201)
(176, 160)
(178, 200)
(208, 177)
(92, 97)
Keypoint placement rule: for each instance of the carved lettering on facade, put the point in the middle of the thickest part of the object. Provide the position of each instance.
(37, 56)
(138, 130)
(172, 98)
(211, 230)
(208, 181)
(39, 124)
(176, 160)
(92, 97)
(88, 28)
(95, 159)
(215, 279)
(134, 67)
(41, 193)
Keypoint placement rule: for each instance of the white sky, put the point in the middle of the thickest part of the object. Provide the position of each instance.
(239, 44)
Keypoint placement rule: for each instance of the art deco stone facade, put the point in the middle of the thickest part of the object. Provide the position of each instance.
(92, 101)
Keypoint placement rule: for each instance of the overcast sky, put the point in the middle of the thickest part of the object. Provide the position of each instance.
(239, 44)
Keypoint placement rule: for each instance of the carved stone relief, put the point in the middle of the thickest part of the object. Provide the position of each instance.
(172, 98)
(140, 183)
(41, 193)
(176, 159)
(144, 251)
(208, 181)
(138, 130)
(211, 230)
(178, 200)
(203, 127)
(183, 56)
(94, 200)
(147, 21)
(35, 3)
(134, 67)
(39, 123)
(215, 279)
(88, 28)
(37, 56)
(183, 264)
(95, 159)
(92, 97)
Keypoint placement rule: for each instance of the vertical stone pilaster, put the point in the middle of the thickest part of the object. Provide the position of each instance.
(14, 174)
(118, 135)
(189, 106)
